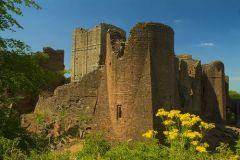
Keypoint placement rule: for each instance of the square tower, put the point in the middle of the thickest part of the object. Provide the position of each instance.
(89, 49)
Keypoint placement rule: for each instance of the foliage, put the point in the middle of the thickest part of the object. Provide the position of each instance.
(180, 146)
(9, 9)
(14, 136)
(49, 156)
(95, 147)
(22, 75)
(234, 94)
(20, 72)
(184, 134)
(149, 150)
(9, 149)
(184, 130)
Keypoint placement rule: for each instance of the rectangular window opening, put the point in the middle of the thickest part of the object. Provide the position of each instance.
(119, 111)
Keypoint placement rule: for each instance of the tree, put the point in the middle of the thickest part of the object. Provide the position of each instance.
(234, 94)
(7, 22)
(20, 72)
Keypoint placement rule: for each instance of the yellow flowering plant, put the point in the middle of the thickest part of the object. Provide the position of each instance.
(149, 134)
(182, 130)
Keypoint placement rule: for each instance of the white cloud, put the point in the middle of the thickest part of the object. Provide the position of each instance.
(234, 78)
(207, 44)
(177, 21)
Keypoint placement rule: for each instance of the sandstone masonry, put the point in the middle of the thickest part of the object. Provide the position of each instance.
(122, 83)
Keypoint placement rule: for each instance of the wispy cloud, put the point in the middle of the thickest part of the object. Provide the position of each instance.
(207, 44)
(177, 21)
(235, 78)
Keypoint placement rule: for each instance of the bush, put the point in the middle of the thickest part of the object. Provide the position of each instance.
(95, 147)
(17, 138)
(184, 134)
(49, 156)
(149, 151)
(9, 149)
(234, 95)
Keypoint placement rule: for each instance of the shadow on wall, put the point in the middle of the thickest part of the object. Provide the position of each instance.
(210, 109)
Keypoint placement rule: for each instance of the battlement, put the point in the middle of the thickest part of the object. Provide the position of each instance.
(88, 49)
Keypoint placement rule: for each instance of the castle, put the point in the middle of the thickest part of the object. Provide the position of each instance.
(122, 83)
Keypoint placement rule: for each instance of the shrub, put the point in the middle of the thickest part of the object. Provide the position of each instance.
(49, 156)
(9, 149)
(184, 134)
(94, 147)
(126, 151)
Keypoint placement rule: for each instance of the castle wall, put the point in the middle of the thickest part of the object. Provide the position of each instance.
(88, 49)
(138, 81)
(214, 94)
(190, 85)
(123, 83)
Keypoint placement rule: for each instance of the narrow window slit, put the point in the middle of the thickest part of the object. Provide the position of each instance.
(119, 111)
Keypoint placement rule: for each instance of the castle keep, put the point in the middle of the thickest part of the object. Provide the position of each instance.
(88, 49)
(122, 83)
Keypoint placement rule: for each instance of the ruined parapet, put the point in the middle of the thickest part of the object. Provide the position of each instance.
(189, 83)
(55, 60)
(89, 49)
(72, 106)
(214, 94)
(138, 81)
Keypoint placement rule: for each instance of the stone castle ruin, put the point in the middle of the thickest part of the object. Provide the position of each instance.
(122, 83)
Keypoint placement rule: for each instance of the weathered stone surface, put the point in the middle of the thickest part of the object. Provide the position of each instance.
(235, 109)
(214, 94)
(138, 82)
(89, 49)
(26, 104)
(71, 107)
(190, 85)
(123, 83)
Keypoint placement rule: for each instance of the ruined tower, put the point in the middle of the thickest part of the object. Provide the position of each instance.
(138, 79)
(214, 94)
(88, 49)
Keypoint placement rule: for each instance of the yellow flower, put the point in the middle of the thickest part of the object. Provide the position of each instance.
(161, 112)
(194, 143)
(171, 135)
(206, 125)
(192, 134)
(205, 145)
(174, 113)
(189, 120)
(195, 119)
(168, 122)
(149, 134)
(165, 133)
(185, 117)
(201, 149)
(186, 123)
(234, 157)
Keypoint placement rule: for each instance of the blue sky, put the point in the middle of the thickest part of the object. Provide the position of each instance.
(207, 29)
